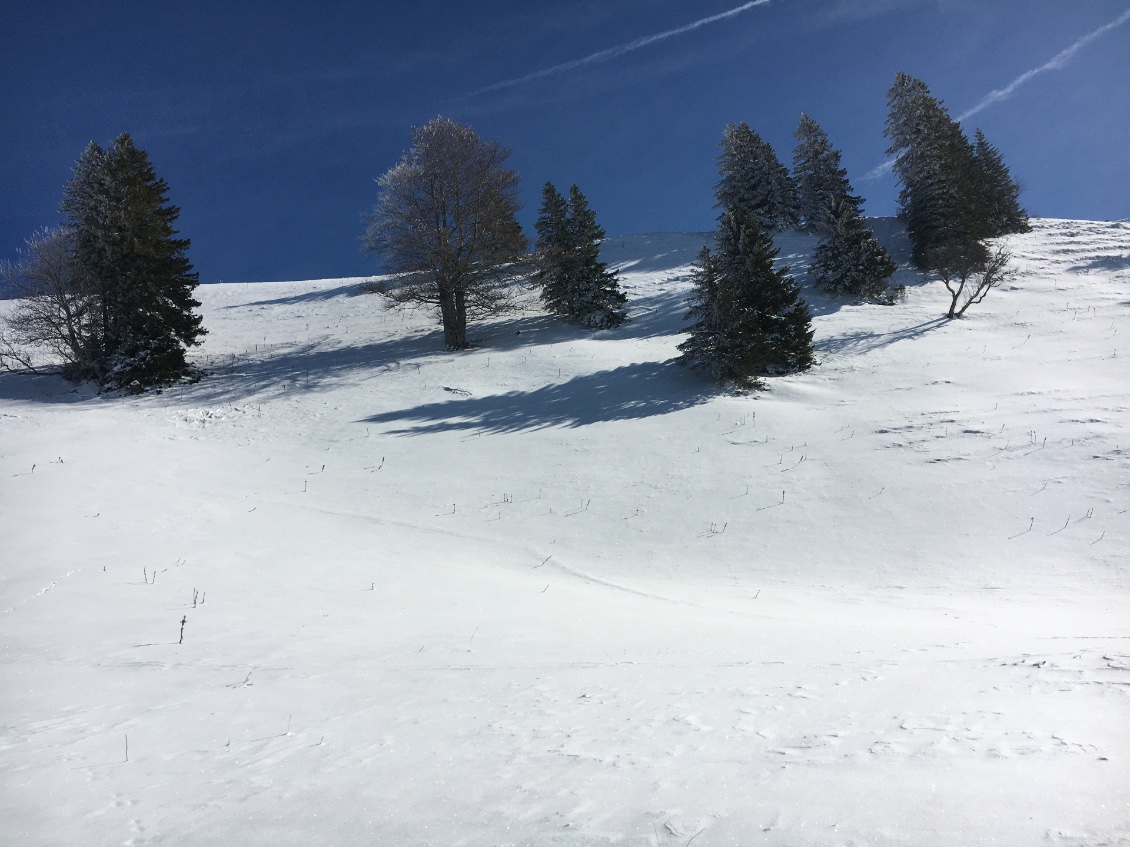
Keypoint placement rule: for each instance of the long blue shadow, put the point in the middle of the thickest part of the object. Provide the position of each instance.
(630, 392)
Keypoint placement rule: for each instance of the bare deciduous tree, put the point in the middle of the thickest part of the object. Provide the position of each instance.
(969, 274)
(445, 227)
(48, 324)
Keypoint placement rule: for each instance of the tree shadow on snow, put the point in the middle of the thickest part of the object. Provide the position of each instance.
(1102, 263)
(43, 388)
(306, 368)
(351, 289)
(652, 316)
(864, 342)
(629, 392)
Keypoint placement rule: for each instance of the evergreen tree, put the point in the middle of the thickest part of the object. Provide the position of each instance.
(749, 318)
(91, 234)
(850, 262)
(553, 254)
(998, 196)
(575, 283)
(934, 164)
(753, 178)
(706, 348)
(820, 180)
(133, 265)
(597, 301)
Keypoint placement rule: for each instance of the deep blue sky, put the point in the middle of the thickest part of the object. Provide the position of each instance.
(271, 120)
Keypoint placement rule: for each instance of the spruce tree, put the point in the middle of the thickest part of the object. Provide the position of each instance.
(706, 348)
(596, 300)
(998, 196)
(553, 254)
(575, 283)
(749, 317)
(753, 178)
(850, 262)
(122, 223)
(90, 231)
(934, 164)
(820, 180)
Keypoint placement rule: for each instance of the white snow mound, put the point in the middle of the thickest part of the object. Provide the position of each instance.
(558, 591)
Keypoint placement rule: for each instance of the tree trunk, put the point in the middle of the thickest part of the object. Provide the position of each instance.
(453, 312)
(461, 318)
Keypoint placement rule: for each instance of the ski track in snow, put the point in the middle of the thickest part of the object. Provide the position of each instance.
(557, 591)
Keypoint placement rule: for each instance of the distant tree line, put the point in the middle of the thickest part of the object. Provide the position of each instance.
(109, 294)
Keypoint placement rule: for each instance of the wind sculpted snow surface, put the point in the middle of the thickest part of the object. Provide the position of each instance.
(558, 591)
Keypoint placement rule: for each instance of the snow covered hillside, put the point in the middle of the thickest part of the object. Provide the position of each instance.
(558, 591)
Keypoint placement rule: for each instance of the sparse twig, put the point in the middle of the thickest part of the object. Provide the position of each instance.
(584, 508)
(1062, 528)
(1031, 522)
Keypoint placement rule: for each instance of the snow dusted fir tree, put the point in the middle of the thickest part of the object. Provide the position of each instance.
(575, 283)
(998, 195)
(820, 181)
(850, 262)
(748, 316)
(934, 164)
(753, 178)
(133, 268)
(553, 256)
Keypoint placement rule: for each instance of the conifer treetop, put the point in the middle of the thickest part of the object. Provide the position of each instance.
(752, 177)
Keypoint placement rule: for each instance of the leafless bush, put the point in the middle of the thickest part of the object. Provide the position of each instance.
(48, 326)
(969, 273)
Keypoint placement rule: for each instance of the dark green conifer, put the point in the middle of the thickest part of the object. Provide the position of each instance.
(934, 164)
(749, 317)
(850, 262)
(553, 259)
(753, 178)
(821, 182)
(118, 212)
(998, 195)
(575, 283)
(597, 300)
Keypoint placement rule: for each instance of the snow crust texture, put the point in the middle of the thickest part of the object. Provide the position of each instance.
(558, 591)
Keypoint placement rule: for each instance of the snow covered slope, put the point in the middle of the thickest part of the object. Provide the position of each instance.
(558, 591)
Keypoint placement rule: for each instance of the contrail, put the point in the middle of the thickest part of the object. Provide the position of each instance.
(1054, 64)
(1058, 61)
(613, 52)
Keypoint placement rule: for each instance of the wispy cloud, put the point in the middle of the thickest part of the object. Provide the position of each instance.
(1057, 62)
(614, 52)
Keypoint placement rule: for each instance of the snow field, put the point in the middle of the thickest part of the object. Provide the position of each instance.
(556, 590)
